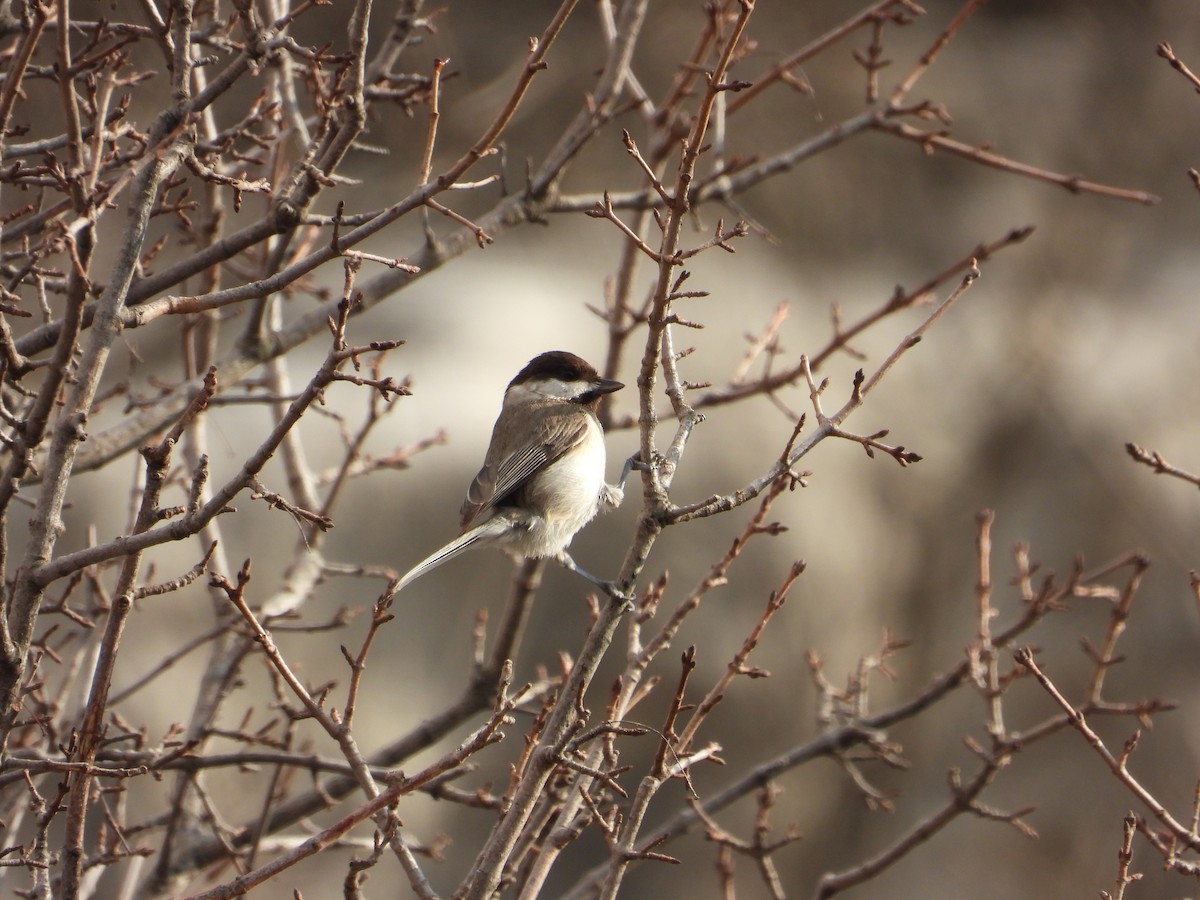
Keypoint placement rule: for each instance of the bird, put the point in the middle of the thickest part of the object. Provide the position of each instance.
(542, 478)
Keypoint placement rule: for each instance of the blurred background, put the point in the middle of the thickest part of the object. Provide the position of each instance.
(1073, 342)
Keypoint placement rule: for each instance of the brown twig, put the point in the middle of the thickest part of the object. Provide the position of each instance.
(1124, 860)
(931, 141)
(1116, 764)
(1155, 460)
(1164, 50)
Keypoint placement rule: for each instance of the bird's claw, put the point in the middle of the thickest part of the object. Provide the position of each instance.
(634, 462)
(615, 593)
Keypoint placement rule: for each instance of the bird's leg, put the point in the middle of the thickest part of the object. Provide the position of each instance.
(611, 495)
(609, 587)
(634, 462)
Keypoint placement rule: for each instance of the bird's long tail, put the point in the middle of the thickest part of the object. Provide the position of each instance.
(480, 534)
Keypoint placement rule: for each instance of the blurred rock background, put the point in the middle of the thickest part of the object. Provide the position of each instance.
(1081, 338)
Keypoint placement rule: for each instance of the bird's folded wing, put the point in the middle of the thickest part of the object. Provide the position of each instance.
(554, 433)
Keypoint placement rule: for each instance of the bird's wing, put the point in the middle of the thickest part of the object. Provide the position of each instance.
(555, 431)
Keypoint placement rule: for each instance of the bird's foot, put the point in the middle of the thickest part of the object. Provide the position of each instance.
(634, 462)
(615, 593)
(609, 587)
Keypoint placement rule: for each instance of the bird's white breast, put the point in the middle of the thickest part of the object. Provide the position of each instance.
(568, 493)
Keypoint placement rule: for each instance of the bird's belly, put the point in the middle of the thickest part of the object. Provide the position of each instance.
(567, 496)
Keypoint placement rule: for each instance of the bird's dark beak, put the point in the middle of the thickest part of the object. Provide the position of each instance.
(599, 388)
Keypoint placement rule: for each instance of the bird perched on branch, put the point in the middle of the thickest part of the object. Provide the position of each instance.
(543, 476)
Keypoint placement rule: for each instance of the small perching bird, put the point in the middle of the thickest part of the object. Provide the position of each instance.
(543, 476)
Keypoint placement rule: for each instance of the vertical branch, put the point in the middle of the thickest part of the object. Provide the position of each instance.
(16, 624)
(92, 729)
(489, 865)
(1106, 656)
(435, 113)
(10, 89)
(435, 89)
(69, 432)
(658, 346)
(227, 649)
(70, 104)
(181, 52)
(987, 675)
